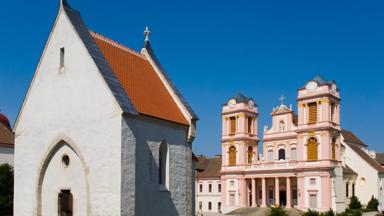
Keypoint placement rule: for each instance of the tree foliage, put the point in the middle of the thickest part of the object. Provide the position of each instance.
(6, 190)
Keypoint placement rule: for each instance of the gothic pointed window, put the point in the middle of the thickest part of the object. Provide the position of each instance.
(312, 153)
(232, 125)
(250, 154)
(281, 154)
(232, 156)
(163, 160)
(65, 203)
(312, 113)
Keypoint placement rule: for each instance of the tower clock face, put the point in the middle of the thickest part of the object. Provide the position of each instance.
(311, 86)
(232, 103)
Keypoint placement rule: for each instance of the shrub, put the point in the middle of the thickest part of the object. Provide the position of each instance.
(6, 190)
(311, 213)
(328, 213)
(276, 211)
(373, 204)
(355, 203)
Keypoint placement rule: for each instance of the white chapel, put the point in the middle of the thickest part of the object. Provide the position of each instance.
(102, 130)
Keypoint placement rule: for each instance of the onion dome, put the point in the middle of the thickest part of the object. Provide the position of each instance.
(4, 121)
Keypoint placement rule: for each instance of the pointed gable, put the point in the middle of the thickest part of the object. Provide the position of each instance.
(140, 81)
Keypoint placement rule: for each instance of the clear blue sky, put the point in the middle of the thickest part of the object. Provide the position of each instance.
(214, 49)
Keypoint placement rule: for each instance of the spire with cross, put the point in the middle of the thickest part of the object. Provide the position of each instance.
(146, 33)
(282, 98)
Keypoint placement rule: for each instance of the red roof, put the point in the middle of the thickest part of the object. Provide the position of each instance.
(4, 121)
(140, 81)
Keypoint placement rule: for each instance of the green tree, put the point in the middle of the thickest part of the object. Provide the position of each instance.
(328, 213)
(6, 190)
(355, 203)
(311, 213)
(277, 211)
(373, 204)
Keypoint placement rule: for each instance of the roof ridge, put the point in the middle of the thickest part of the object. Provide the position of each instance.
(116, 44)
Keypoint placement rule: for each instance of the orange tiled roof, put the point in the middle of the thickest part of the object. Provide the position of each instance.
(140, 81)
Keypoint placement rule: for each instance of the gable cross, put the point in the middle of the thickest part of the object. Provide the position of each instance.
(147, 33)
(282, 98)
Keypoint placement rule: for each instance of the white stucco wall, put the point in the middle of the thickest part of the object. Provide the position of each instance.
(363, 190)
(6, 155)
(77, 106)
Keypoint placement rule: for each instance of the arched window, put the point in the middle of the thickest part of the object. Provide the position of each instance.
(312, 148)
(163, 163)
(281, 126)
(65, 203)
(250, 154)
(281, 154)
(333, 148)
(293, 153)
(232, 156)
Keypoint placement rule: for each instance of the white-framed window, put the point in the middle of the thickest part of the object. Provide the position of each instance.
(209, 188)
(312, 181)
(201, 188)
(293, 153)
(313, 201)
(270, 155)
(209, 206)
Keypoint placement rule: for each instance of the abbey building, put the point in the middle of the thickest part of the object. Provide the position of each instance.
(306, 160)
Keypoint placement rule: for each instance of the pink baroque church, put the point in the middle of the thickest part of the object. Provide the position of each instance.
(305, 159)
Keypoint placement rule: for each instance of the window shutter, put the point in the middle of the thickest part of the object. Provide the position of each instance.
(312, 110)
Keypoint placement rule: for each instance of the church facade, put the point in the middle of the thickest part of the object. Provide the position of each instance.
(102, 130)
(307, 161)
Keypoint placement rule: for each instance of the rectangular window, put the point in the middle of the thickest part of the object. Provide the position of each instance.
(347, 190)
(232, 183)
(219, 206)
(312, 181)
(200, 205)
(312, 113)
(293, 154)
(333, 106)
(219, 188)
(233, 125)
(62, 55)
(353, 189)
(210, 188)
(209, 206)
(313, 201)
(250, 124)
(231, 199)
(201, 188)
(270, 155)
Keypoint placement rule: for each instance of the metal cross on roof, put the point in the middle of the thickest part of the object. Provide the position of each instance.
(282, 98)
(147, 33)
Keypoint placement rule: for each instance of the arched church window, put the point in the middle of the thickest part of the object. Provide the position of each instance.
(333, 148)
(232, 156)
(65, 203)
(312, 149)
(65, 160)
(250, 154)
(281, 154)
(281, 126)
(163, 160)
